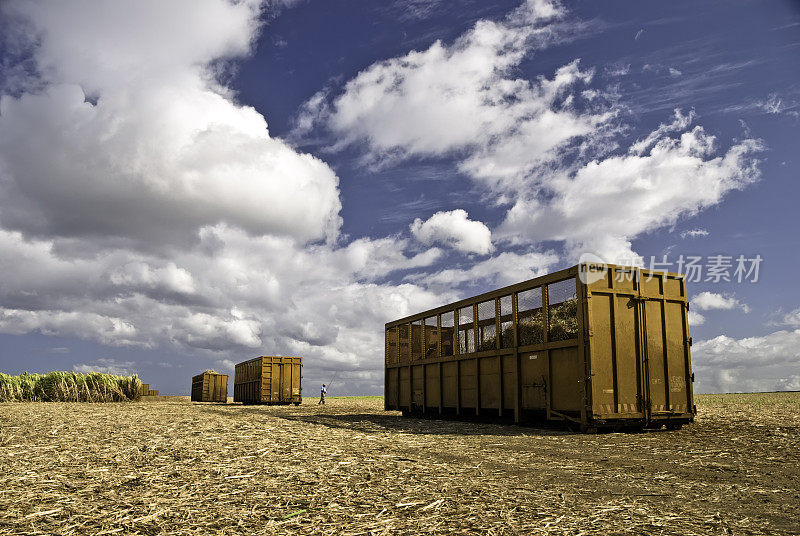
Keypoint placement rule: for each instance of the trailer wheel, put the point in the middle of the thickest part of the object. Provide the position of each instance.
(674, 426)
(297, 403)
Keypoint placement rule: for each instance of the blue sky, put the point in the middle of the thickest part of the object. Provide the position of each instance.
(189, 185)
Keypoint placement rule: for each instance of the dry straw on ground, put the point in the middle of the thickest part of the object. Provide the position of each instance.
(348, 468)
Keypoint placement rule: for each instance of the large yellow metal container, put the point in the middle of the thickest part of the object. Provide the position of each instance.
(269, 380)
(594, 345)
(210, 386)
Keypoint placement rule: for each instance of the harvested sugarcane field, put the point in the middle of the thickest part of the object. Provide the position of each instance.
(170, 466)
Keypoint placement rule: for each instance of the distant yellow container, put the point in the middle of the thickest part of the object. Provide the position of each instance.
(210, 386)
(269, 380)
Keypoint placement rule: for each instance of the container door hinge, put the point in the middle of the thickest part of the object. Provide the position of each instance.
(687, 305)
(689, 341)
(692, 377)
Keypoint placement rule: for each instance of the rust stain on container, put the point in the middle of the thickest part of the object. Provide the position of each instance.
(210, 386)
(269, 380)
(596, 345)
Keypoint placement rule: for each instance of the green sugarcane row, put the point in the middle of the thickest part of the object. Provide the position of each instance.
(69, 387)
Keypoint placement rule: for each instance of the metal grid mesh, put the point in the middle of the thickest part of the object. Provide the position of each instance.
(561, 291)
(431, 338)
(487, 330)
(416, 340)
(530, 316)
(448, 333)
(391, 345)
(563, 310)
(466, 331)
(403, 337)
(440, 336)
(506, 322)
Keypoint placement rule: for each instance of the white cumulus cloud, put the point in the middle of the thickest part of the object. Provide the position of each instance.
(792, 318)
(696, 319)
(455, 229)
(463, 98)
(142, 205)
(605, 203)
(107, 365)
(693, 233)
(708, 301)
(130, 136)
(503, 269)
(765, 363)
(546, 147)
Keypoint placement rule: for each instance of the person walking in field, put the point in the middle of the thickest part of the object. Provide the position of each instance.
(322, 393)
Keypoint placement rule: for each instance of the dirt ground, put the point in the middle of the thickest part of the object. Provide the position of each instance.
(174, 467)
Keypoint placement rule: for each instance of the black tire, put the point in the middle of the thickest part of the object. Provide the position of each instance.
(675, 426)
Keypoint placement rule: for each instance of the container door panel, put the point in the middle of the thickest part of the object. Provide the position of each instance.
(391, 388)
(286, 382)
(418, 390)
(650, 283)
(450, 384)
(266, 382)
(534, 380)
(509, 381)
(490, 382)
(674, 288)
(656, 359)
(405, 400)
(566, 372)
(602, 355)
(432, 386)
(469, 383)
(277, 380)
(677, 350)
(627, 351)
(273, 385)
(297, 379)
